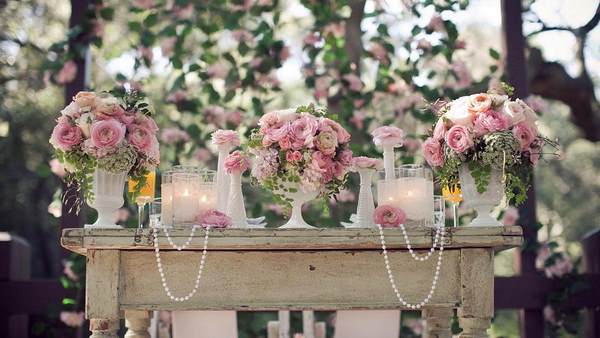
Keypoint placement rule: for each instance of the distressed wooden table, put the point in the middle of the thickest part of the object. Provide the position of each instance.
(269, 269)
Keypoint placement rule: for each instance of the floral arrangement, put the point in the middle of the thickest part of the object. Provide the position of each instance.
(303, 147)
(389, 216)
(113, 131)
(214, 219)
(236, 162)
(486, 131)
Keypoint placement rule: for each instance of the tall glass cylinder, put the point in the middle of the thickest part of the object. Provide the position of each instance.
(186, 196)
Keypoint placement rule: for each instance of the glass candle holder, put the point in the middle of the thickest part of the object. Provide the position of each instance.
(186, 189)
(439, 211)
(156, 214)
(166, 193)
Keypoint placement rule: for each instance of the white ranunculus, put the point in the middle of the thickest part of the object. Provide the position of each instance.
(84, 122)
(515, 111)
(458, 113)
(70, 110)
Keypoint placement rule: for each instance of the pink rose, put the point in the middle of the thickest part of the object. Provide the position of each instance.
(214, 219)
(303, 130)
(293, 156)
(440, 129)
(65, 136)
(285, 143)
(267, 121)
(324, 164)
(85, 100)
(236, 162)
(479, 103)
(388, 136)
(354, 82)
(145, 122)
(511, 215)
(108, 107)
(222, 136)
(67, 73)
(388, 216)
(432, 151)
(339, 170)
(363, 162)
(273, 135)
(141, 138)
(523, 132)
(458, 139)
(491, 121)
(327, 142)
(107, 133)
(342, 135)
(345, 157)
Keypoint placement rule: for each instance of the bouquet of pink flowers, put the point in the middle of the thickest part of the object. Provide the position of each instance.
(300, 147)
(115, 133)
(486, 131)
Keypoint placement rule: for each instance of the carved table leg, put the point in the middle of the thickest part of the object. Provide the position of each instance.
(104, 328)
(474, 327)
(137, 323)
(437, 322)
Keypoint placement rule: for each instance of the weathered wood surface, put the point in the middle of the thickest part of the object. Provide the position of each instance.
(80, 240)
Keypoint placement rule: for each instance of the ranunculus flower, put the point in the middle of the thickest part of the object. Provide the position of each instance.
(65, 136)
(214, 219)
(345, 157)
(107, 133)
(327, 142)
(459, 139)
(458, 112)
(388, 216)
(222, 137)
(523, 132)
(511, 215)
(479, 103)
(342, 135)
(67, 73)
(108, 107)
(388, 136)
(141, 138)
(440, 129)
(491, 121)
(85, 100)
(515, 111)
(363, 162)
(293, 156)
(303, 130)
(145, 122)
(285, 143)
(432, 151)
(236, 162)
(273, 135)
(72, 110)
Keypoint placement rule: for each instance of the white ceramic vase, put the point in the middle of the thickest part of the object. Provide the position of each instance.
(108, 197)
(484, 202)
(235, 203)
(366, 205)
(298, 198)
(223, 180)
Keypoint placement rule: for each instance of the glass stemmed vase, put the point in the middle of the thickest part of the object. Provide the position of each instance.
(145, 196)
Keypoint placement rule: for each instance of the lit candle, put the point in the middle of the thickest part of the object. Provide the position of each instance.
(415, 197)
(185, 205)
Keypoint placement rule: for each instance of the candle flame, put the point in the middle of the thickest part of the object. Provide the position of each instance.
(186, 192)
(203, 199)
(410, 193)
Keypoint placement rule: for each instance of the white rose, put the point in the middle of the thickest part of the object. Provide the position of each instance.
(515, 111)
(458, 113)
(530, 115)
(84, 122)
(71, 110)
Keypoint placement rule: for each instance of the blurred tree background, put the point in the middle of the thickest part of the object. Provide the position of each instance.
(222, 64)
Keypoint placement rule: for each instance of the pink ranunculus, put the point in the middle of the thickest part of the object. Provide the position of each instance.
(303, 130)
(524, 133)
(65, 136)
(342, 134)
(511, 215)
(388, 136)
(67, 73)
(339, 170)
(433, 153)
(167, 45)
(85, 100)
(214, 219)
(440, 129)
(267, 121)
(388, 216)
(491, 121)
(515, 111)
(273, 135)
(459, 139)
(145, 122)
(141, 138)
(107, 133)
(57, 168)
(226, 137)
(285, 143)
(363, 162)
(143, 4)
(293, 156)
(354, 82)
(236, 162)
(479, 103)
(378, 51)
(345, 157)
(327, 142)
(174, 135)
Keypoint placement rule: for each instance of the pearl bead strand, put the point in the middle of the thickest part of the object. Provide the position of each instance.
(393, 281)
(162, 274)
(410, 249)
(189, 239)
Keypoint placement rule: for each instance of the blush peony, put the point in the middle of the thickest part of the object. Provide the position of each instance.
(388, 216)
(432, 151)
(459, 139)
(65, 136)
(388, 136)
(107, 133)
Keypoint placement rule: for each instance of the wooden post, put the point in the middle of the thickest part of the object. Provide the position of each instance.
(591, 262)
(79, 83)
(532, 321)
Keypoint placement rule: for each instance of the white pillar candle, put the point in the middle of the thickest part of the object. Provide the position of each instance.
(166, 211)
(185, 205)
(415, 198)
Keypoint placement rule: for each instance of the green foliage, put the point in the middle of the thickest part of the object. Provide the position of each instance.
(481, 175)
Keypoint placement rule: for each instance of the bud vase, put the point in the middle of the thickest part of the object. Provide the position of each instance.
(108, 197)
(298, 197)
(388, 162)
(484, 202)
(366, 205)
(235, 204)
(222, 177)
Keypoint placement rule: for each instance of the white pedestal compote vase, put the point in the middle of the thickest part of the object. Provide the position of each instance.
(298, 197)
(484, 202)
(108, 197)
